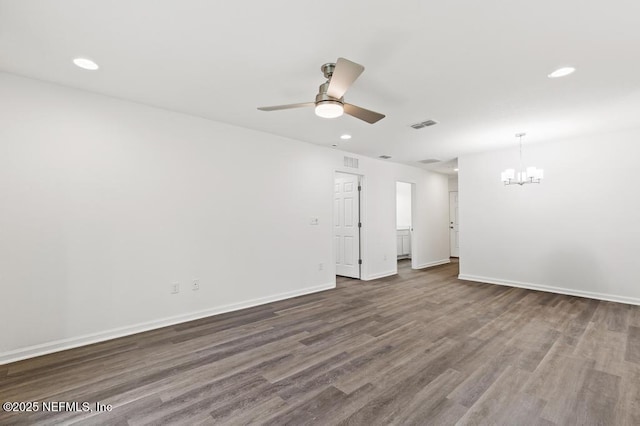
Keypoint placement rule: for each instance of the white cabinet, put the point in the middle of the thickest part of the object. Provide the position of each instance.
(404, 243)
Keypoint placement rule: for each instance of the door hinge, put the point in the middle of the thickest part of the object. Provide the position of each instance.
(359, 188)
(359, 224)
(359, 261)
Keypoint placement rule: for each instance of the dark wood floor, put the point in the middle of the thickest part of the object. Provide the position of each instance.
(418, 348)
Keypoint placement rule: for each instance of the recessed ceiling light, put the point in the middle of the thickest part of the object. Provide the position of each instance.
(561, 72)
(455, 170)
(345, 137)
(86, 64)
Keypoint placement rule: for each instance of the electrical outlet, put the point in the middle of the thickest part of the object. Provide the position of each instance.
(320, 266)
(195, 285)
(175, 288)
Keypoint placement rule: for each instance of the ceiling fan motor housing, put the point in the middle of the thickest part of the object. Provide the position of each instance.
(322, 94)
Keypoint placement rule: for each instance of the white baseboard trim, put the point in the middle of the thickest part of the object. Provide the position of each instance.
(395, 271)
(552, 289)
(434, 263)
(88, 339)
(380, 275)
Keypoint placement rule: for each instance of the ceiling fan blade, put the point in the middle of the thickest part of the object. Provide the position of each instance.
(363, 114)
(290, 106)
(345, 73)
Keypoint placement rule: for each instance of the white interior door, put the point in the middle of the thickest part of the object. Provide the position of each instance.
(346, 218)
(453, 224)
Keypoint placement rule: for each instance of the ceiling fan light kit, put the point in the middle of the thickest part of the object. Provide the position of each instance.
(329, 109)
(329, 101)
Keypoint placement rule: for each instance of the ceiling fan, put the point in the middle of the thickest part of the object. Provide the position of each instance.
(329, 101)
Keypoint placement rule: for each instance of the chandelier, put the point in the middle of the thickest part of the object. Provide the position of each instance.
(523, 176)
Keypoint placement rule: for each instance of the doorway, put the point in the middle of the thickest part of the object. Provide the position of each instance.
(404, 221)
(347, 224)
(454, 233)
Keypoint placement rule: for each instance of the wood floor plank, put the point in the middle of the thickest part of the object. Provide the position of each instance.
(535, 341)
(294, 389)
(429, 400)
(558, 380)
(400, 388)
(504, 402)
(402, 352)
(596, 401)
(257, 412)
(632, 353)
(120, 414)
(421, 347)
(577, 326)
(628, 408)
(475, 385)
(307, 357)
(309, 412)
(634, 316)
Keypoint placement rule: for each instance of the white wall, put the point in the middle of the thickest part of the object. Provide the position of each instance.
(403, 205)
(577, 232)
(105, 203)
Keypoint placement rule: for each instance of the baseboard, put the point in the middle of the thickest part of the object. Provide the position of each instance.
(552, 289)
(88, 339)
(434, 263)
(380, 275)
(395, 271)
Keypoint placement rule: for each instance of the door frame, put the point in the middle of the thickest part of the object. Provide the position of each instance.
(414, 256)
(361, 219)
(458, 224)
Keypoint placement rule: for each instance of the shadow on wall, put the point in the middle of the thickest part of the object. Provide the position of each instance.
(574, 268)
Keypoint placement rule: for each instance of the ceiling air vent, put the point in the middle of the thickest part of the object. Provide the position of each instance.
(424, 124)
(430, 161)
(351, 162)
(385, 157)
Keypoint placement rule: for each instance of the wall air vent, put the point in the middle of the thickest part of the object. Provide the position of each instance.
(423, 124)
(351, 162)
(385, 157)
(430, 161)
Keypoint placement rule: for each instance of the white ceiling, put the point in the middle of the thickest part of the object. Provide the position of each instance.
(479, 68)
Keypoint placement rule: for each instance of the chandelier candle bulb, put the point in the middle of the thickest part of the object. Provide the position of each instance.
(531, 172)
(508, 174)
